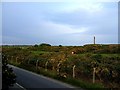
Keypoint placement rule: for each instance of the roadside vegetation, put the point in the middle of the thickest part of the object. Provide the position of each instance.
(88, 66)
(8, 76)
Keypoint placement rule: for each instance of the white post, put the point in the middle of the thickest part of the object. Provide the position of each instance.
(36, 64)
(16, 59)
(74, 71)
(46, 66)
(58, 67)
(94, 75)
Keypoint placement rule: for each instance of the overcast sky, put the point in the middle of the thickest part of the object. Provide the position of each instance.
(59, 23)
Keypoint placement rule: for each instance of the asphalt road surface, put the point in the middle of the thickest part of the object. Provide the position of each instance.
(29, 79)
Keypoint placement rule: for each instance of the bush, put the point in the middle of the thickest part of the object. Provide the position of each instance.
(8, 77)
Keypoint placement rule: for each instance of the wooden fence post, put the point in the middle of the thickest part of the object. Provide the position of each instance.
(58, 66)
(28, 61)
(11, 59)
(36, 64)
(46, 66)
(94, 75)
(16, 59)
(74, 71)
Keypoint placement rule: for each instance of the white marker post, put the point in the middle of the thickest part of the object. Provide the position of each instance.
(74, 71)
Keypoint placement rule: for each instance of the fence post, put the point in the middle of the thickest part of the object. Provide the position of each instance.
(28, 61)
(74, 71)
(11, 59)
(16, 59)
(8, 57)
(36, 64)
(22, 60)
(46, 66)
(58, 68)
(94, 75)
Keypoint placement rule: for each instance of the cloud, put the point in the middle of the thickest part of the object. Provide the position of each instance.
(103, 18)
(59, 23)
(74, 7)
(61, 28)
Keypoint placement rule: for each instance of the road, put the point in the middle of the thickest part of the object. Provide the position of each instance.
(29, 79)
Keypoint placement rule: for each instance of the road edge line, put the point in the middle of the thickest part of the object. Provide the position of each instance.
(20, 86)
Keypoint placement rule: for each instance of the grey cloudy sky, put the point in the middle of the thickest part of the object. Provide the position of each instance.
(59, 23)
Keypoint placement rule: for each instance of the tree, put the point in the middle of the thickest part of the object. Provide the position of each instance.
(35, 45)
(60, 45)
(45, 44)
(8, 77)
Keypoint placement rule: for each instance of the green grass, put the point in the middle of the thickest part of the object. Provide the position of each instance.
(39, 52)
(109, 55)
(104, 55)
(82, 84)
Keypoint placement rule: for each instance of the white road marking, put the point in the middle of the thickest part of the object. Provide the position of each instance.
(20, 86)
